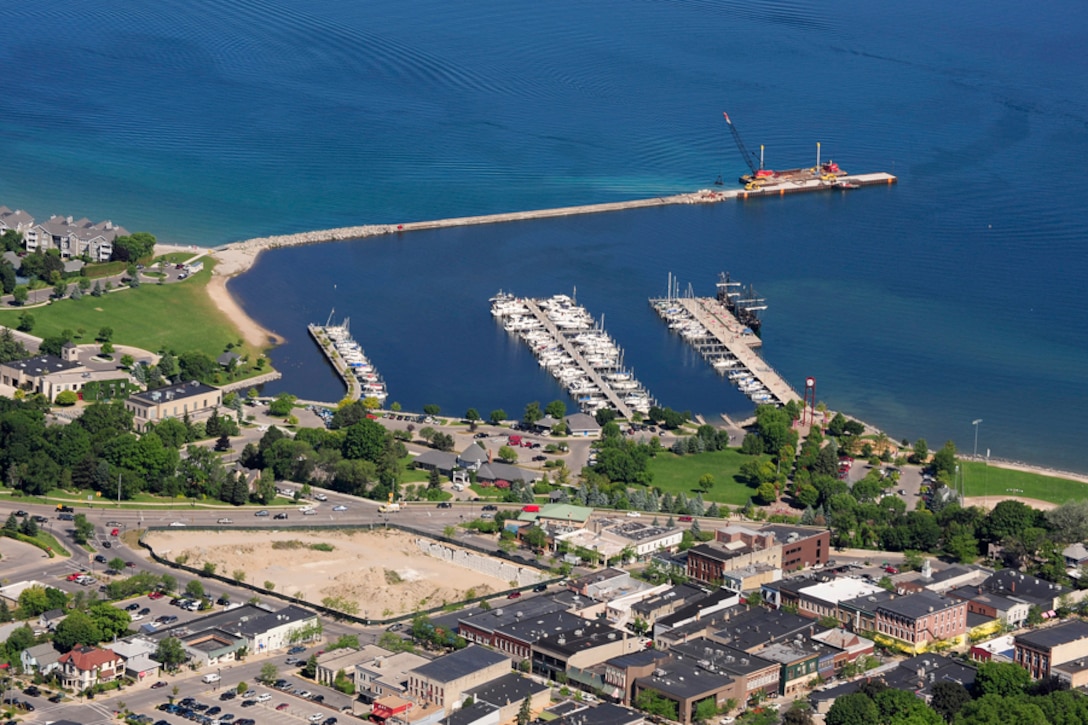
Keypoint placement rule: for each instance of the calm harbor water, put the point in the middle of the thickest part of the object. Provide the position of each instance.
(954, 296)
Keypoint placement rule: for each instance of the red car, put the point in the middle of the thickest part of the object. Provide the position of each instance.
(281, 706)
(513, 595)
(115, 532)
(73, 577)
(891, 570)
(155, 595)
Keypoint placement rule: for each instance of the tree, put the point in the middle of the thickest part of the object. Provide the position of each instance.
(855, 709)
(1069, 522)
(533, 413)
(133, 247)
(105, 334)
(525, 713)
(797, 716)
(506, 453)
(1008, 518)
(706, 482)
(654, 704)
(431, 409)
(948, 698)
(364, 440)
(84, 529)
(66, 398)
(20, 294)
(497, 416)
(1001, 678)
(26, 322)
(116, 563)
(76, 628)
(767, 493)
(268, 673)
(309, 670)
(920, 452)
(195, 589)
(110, 620)
(556, 409)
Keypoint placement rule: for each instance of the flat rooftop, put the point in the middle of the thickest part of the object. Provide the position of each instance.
(839, 590)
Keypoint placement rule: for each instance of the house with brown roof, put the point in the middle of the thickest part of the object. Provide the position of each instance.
(86, 666)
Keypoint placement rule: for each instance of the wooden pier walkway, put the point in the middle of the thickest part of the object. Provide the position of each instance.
(606, 390)
(712, 315)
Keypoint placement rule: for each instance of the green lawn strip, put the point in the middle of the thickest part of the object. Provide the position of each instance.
(106, 269)
(980, 479)
(680, 474)
(140, 501)
(178, 316)
(174, 258)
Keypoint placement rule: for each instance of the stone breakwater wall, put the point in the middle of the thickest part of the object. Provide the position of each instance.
(252, 382)
(491, 566)
(316, 237)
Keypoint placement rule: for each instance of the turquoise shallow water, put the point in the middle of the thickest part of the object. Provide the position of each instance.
(954, 296)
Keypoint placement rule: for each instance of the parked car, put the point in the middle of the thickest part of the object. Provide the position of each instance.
(513, 595)
(282, 706)
(490, 507)
(132, 607)
(107, 545)
(295, 650)
(100, 559)
(341, 507)
(540, 588)
(20, 513)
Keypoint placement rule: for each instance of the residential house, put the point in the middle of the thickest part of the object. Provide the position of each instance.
(193, 399)
(1040, 650)
(17, 220)
(75, 237)
(1076, 555)
(86, 666)
(49, 620)
(443, 681)
(41, 659)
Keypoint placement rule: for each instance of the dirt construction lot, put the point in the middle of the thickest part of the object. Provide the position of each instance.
(383, 572)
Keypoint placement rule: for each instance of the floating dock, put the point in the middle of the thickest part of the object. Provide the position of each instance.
(578, 353)
(347, 358)
(725, 343)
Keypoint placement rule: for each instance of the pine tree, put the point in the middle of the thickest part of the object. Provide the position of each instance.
(713, 512)
(808, 517)
(696, 530)
(5, 611)
(11, 526)
(29, 527)
(525, 714)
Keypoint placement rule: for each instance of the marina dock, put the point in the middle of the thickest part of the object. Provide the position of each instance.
(347, 358)
(577, 352)
(726, 344)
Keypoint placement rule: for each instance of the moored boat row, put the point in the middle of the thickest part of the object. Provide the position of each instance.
(348, 357)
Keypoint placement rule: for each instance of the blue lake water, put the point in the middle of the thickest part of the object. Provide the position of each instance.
(956, 295)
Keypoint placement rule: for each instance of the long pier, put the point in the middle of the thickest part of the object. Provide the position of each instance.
(622, 408)
(354, 387)
(716, 319)
(252, 247)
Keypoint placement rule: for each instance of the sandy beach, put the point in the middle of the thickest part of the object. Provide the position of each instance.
(253, 333)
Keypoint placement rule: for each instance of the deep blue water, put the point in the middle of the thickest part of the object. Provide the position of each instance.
(956, 295)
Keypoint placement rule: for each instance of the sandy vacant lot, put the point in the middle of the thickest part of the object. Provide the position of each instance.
(384, 572)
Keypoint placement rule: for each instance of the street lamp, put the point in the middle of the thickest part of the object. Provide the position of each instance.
(975, 423)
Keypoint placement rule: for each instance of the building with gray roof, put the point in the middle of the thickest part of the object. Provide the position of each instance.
(443, 681)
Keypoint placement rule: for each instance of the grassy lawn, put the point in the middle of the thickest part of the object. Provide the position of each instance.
(676, 474)
(982, 480)
(176, 258)
(145, 501)
(178, 316)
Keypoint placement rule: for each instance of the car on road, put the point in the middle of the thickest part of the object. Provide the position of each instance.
(114, 524)
(155, 595)
(291, 661)
(59, 697)
(320, 497)
(223, 521)
(295, 650)
(902, 492)
(330, 721)
(73, 577)
(40, 519)
(282, 706)
(20, 513)
(132, 607)
(445, 505)
(540, 588)
(177, 523)
(262, 512)
(159, 685)
(280, 516)
(341, 507)
(107, 545)
(513, 595)
(478, 436)
(130, 565)
(32, 691)
(65, 517)
(540, 458)
(100, 559)
(309, 512)
(490, 507)
(145, 611)
(317, 717)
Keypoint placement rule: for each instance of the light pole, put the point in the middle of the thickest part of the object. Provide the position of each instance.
(975, 423)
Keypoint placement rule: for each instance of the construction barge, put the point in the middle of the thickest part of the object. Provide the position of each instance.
(724, 331)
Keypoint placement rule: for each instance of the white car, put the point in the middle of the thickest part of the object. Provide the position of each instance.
(177, 523)
(633, 514)
(136, 617)
(341, 507)
(317, 717)
(264, 697)
(309, 512)
(306, 509)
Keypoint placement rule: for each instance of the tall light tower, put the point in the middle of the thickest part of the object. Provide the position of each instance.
(975, 423)
(809, 401)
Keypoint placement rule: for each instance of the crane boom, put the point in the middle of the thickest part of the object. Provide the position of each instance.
(748, 156)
